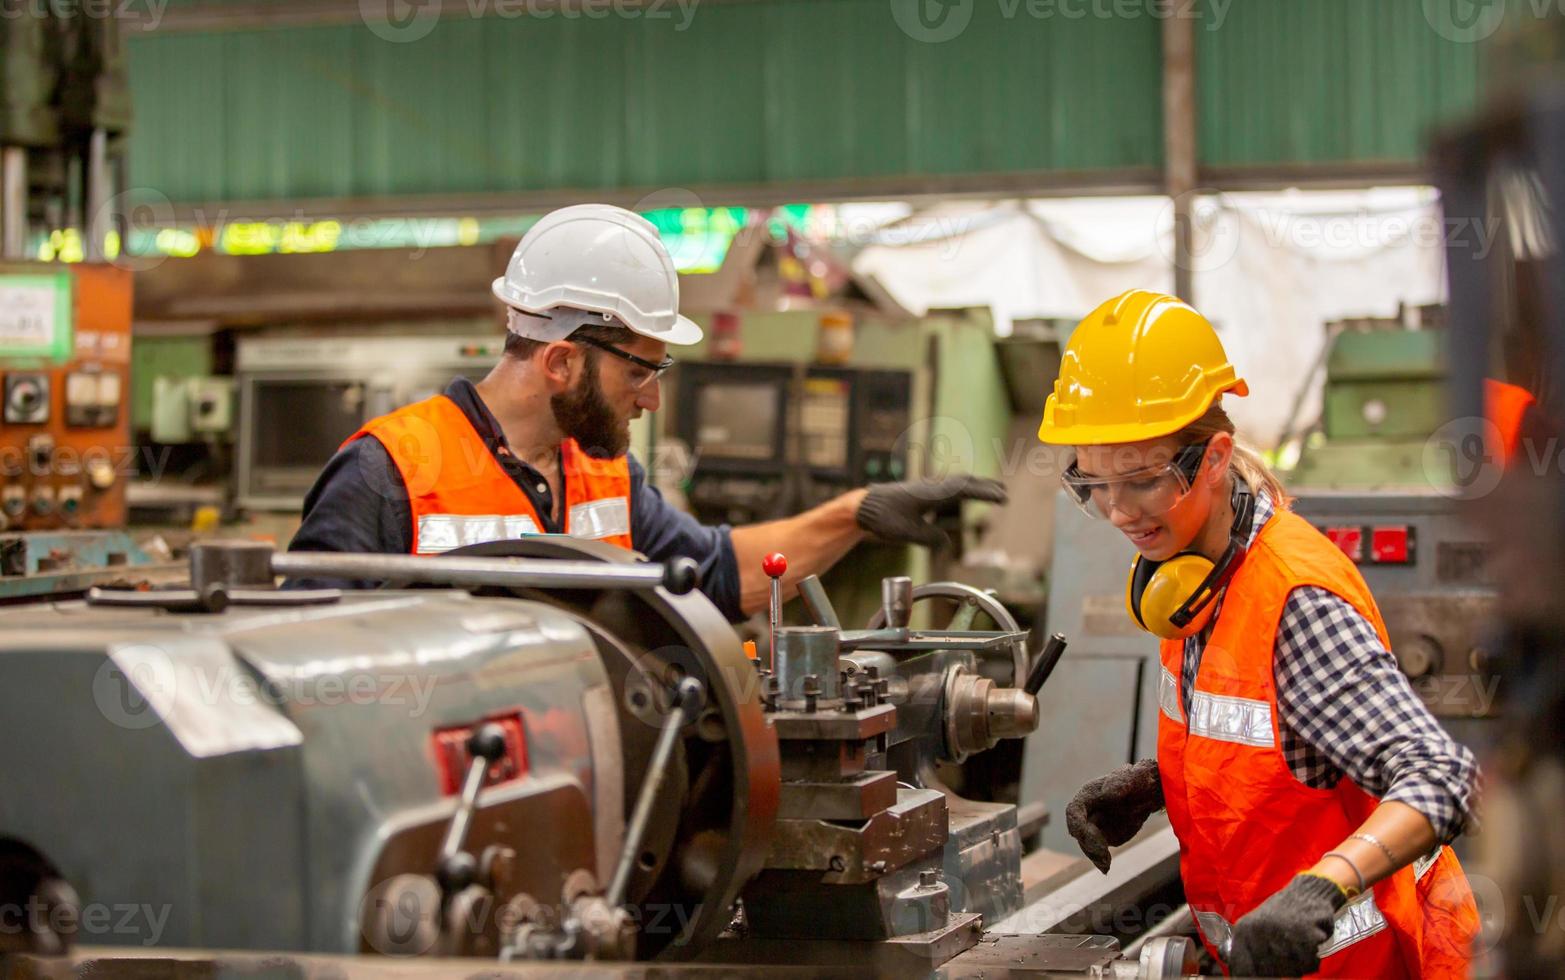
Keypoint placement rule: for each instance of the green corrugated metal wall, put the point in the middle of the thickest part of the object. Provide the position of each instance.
(1327, 81)
(749, 93)
(769, 92)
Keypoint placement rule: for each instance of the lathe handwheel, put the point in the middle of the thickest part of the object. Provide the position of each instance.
(970, 602)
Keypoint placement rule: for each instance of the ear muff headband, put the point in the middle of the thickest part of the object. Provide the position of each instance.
(1172, 578)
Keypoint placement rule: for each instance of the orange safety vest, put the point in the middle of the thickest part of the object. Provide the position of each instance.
(1245, 823)
(460, 495)
(1504, 406)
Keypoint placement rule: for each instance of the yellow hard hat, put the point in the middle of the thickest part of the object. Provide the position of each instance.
(1140, 366)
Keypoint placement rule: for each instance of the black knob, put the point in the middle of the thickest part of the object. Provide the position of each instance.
(681, 575)
(692, 695)
(1048, 659)
(488, 742)
(457, 872)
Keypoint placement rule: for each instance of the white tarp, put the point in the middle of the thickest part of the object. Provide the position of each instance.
(1270, 269)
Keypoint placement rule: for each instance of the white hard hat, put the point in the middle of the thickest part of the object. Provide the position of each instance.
(594, 258)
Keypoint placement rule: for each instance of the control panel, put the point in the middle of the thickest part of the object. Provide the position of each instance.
(64, 383)
(853, 425)
(1427, 571)
(770, 440)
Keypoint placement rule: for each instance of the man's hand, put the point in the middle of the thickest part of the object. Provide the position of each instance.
(1109, 810)
(897, 511)
(1282, 937)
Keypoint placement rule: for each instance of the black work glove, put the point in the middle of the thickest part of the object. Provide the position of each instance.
(1109, 810)
(896, 511)
(1282, 937)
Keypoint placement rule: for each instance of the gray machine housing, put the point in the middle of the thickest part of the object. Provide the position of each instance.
(304, 733)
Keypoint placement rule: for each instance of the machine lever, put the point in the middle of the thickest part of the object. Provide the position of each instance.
(688, 699)
(817, 602)
(679, 576)
(207, 599)
(1048, 659)
(775, 565)
(457, 868)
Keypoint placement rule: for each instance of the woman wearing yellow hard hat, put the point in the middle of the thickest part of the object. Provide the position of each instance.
(1312, 792)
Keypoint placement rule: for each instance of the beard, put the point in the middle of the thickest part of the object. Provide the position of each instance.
(585, 415)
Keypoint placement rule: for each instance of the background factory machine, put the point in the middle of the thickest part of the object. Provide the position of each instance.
(541, 749)
(65, 446)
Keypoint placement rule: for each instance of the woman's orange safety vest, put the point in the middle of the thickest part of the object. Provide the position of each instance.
(1245, 823)
(460, 494)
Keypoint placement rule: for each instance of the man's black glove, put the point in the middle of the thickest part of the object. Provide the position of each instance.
(1110, 809)
(1282, 937)
(896, 511)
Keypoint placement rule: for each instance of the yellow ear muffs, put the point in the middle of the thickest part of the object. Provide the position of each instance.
(1156, 590)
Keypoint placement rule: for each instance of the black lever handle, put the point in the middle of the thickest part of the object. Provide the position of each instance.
(1048, 659)
(457, 868)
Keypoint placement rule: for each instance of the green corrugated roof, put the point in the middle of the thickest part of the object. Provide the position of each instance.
(775, 91)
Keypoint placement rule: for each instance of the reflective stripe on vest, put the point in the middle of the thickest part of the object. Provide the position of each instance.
(1357, 920)
(599, 518)
(439, 533)
(1168, 695)
(1231, 719)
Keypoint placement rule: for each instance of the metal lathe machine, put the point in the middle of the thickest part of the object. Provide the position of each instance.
(533, 750)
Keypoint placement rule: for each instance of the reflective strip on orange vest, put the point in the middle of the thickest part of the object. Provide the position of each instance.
(439, 533)
(1355, 921)
(1168, 695)
(600, 518)
(1232, 719)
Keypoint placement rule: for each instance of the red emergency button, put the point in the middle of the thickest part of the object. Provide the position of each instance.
(1392, 545)
(1349, 539)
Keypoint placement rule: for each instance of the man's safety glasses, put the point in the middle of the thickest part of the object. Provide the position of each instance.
(642, 371)
(1151, 492)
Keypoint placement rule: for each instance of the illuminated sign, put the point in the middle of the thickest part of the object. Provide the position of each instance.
(698, 239)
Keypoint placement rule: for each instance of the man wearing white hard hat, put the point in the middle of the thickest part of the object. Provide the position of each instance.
(541, 444)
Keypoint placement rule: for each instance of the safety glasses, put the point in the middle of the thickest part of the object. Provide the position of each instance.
(1151, 492)
(641, 373)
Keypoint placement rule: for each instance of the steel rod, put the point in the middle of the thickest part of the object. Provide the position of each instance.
(686, 701)
(503, 572)
(817, 602)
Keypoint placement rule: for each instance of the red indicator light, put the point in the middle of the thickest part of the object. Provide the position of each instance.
(1392, 545)
(1349, 539)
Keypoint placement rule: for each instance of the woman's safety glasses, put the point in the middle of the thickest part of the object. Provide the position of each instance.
(1150, 492)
